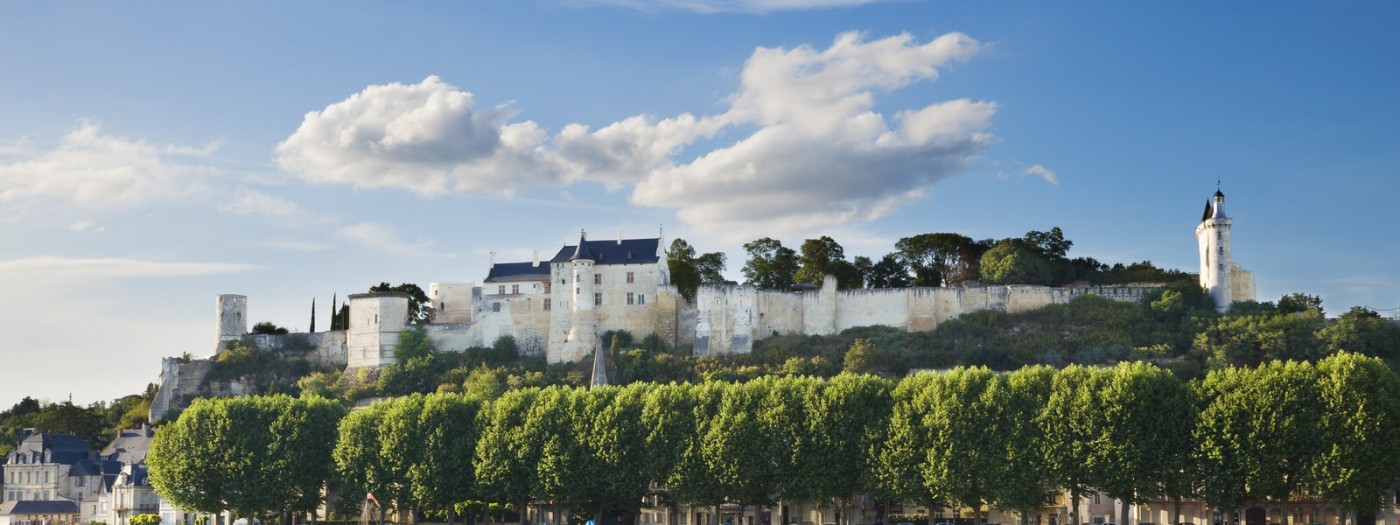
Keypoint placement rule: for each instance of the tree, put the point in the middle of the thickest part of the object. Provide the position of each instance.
(144, 519)
(689, 271)
(1362, 331)
(414, 344)
(1071, 424)
(445, 476)
(419, 307)
(938, 259)
(506, 453)
(1023, 482)
(1222, 451)
(250, 455)
(1285, 412)
(965, 454)
(770, 266)
(890, 272)
(1299, 303)
(1149, 417)
(711, 267)
(819, 258)
(1011, 261)
(685, 273)
(267, 328)
(1361, 396)
(359, 460)
(1052, 244)
(847, 420)
(900, 460)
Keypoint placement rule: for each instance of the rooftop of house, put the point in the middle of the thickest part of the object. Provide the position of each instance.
(45, 447)
(621, 251)
(31, 508)
(519, 271)
(131, 445)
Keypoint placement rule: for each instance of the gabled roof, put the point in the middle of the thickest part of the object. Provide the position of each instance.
(521, 271)
(628, 251)
(16, 508)
(65, 449)
(130, 446)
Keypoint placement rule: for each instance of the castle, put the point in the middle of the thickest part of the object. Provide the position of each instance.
(559, 307)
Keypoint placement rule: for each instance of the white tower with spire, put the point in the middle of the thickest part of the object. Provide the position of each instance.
(1213, 238)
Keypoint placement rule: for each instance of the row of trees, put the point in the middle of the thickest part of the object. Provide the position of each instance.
(928, 259)
(967, 437)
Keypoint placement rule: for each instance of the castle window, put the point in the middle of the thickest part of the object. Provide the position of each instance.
(546, 287)
(495, 307)
(629, 277)
(597, 278)
(597, 299)
(630, 298)
(515, 289)
(641, 298)
(546, 305)
(501, 290)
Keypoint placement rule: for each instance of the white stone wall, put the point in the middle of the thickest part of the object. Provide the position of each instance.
(730, 318)
(452, 302)
(1241, 284)
(376, 319)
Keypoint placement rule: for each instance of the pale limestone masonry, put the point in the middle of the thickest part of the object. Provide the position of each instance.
(232, 318)
(732, 317)
(1224, 280)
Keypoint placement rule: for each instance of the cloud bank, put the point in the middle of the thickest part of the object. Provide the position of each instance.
(90, 168)
(811, 150)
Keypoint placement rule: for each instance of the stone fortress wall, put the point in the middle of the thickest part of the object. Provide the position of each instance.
(731, 318)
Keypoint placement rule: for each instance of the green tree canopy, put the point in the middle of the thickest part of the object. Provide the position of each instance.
(771, 266)
(1012, 261)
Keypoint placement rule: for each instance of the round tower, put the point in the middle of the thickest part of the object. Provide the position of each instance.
(1213, 239)
(583, 322)
(231, 315)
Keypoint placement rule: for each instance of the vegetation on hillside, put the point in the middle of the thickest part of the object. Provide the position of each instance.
(96, 423)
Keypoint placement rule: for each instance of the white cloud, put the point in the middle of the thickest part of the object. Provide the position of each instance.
(86, 226)
(1044, 173)
(87, 167)
(247, 201)
(424, 137)
(816, 153)
(380, 238)
(720, 6)
(821, 156)
(71, 269)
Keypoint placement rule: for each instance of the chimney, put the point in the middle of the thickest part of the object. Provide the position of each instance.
(619, 236)
(537, 258)
(493, 260)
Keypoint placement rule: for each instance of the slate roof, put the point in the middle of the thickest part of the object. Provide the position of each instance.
(16, 508)
(629, 251)
(521, 271)
(66, 449)
(131, 445)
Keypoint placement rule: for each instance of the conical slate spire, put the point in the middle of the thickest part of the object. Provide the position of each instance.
(600, 373)
(581, 251)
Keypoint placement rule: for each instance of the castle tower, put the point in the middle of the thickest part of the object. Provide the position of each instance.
(583, 322)
(231, 314)
(376, 319)
(1213, 239)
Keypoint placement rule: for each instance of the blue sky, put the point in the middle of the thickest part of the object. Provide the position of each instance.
(155, 155)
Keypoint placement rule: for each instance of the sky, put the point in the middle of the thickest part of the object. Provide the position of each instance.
(155, 155)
